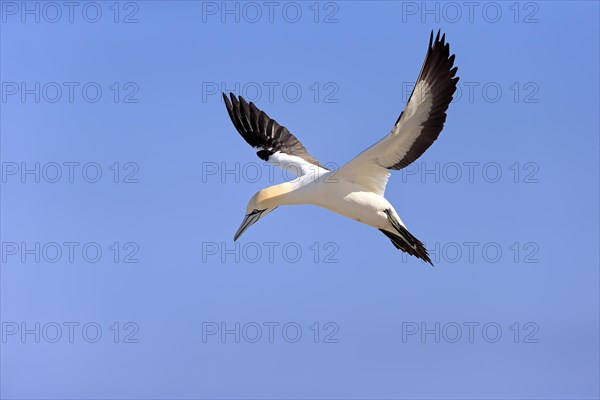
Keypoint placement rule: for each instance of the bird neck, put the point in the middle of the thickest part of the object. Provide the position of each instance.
(286, 193)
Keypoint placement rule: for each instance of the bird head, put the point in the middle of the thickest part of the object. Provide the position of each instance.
(262, 203)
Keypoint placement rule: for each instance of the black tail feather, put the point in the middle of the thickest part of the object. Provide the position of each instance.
(416, 248)
(405, 241)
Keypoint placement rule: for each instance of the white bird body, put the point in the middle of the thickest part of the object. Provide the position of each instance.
(342, 197)
(357, 189)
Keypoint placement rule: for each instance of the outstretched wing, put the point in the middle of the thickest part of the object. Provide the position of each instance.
(418, 126)
(275, 144)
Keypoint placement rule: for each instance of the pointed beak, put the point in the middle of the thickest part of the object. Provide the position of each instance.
(248, 221)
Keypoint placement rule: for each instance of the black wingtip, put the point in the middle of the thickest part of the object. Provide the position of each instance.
(438, 39)
(229, 108)
(243, 102)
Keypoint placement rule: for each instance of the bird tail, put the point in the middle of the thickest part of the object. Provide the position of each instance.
(405, 241)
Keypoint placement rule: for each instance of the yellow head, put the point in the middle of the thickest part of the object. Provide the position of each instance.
(262, 203)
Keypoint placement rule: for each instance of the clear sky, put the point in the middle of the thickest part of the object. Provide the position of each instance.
(123, 182)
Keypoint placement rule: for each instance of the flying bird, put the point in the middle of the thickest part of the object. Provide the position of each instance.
(356, 190)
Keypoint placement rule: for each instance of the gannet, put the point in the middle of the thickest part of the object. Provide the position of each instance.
(356, 190)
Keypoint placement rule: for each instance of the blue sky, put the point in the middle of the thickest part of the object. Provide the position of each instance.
(123, 182)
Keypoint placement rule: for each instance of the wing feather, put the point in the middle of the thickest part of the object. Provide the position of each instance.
(274, 142)
(417, 127)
